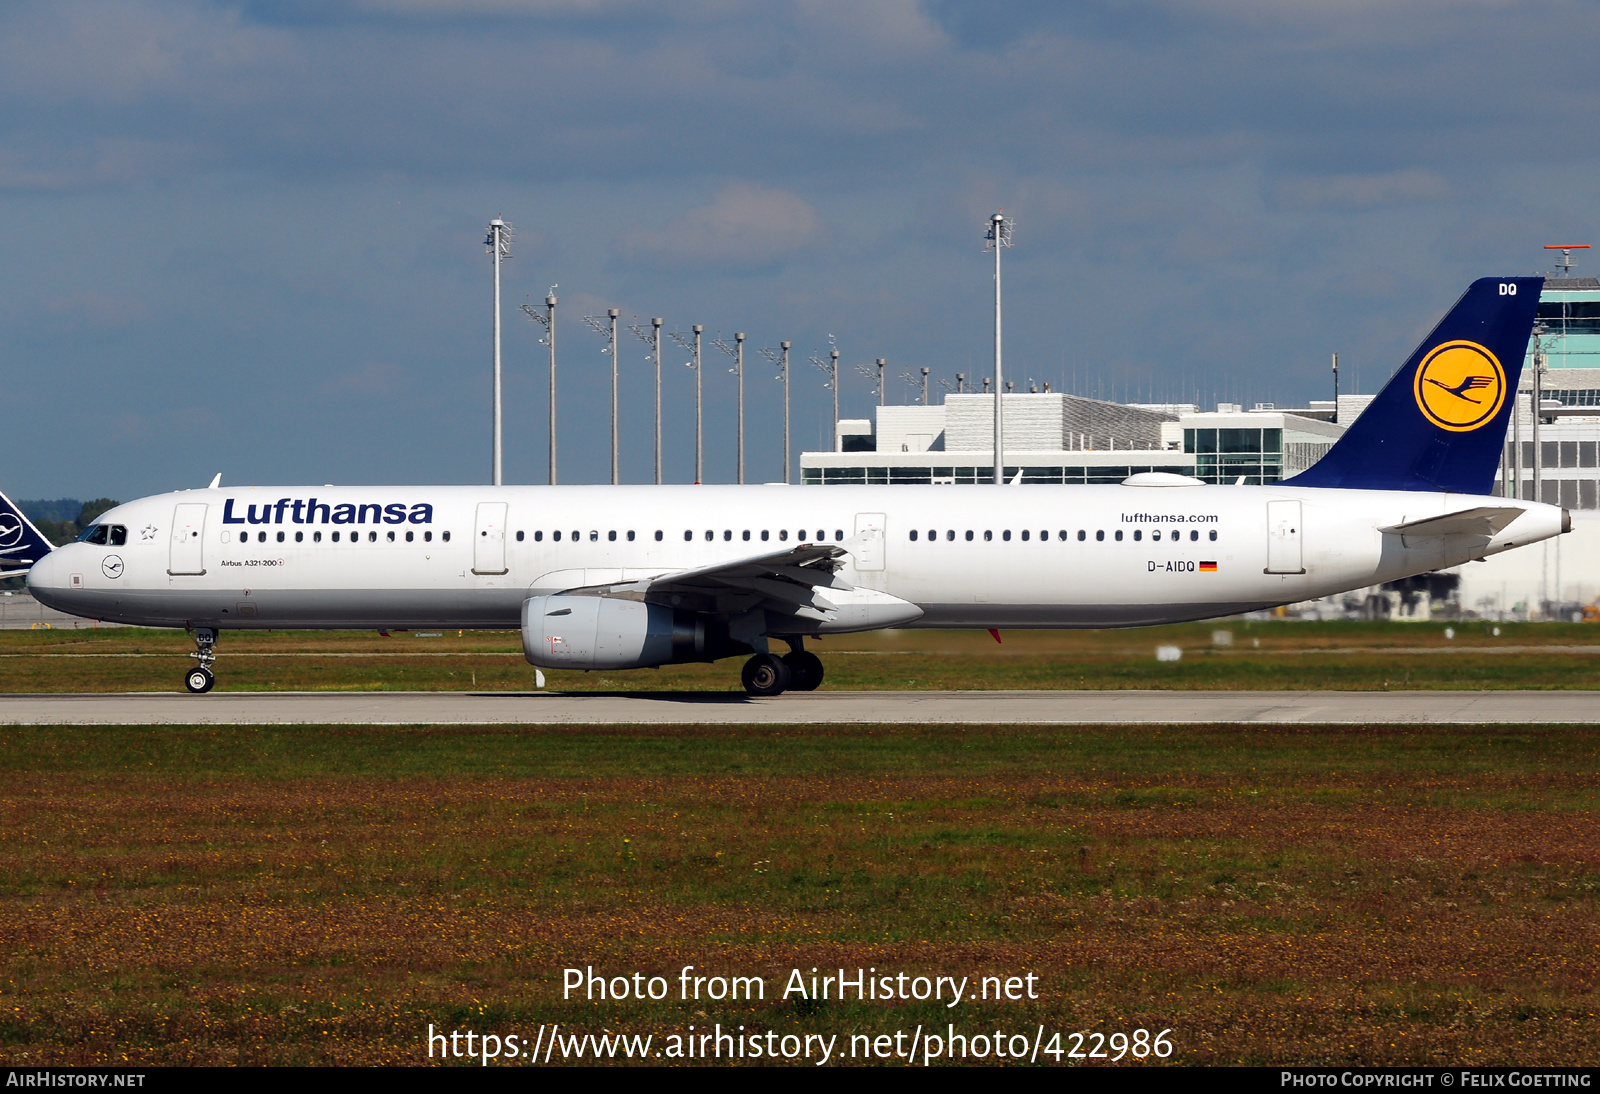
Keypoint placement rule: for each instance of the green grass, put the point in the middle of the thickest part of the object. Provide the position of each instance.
(1270, 894)
(1262, 656)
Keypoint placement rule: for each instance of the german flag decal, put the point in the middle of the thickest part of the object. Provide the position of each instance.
(1208, 567)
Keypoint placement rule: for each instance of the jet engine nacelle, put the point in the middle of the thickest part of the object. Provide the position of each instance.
(594, 632)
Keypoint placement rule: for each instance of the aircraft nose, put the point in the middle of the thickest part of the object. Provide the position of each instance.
(47, 575)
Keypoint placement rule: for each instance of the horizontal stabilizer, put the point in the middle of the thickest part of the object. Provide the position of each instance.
(1486, 520)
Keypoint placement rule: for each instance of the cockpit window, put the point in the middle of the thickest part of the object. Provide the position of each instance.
(116, 535)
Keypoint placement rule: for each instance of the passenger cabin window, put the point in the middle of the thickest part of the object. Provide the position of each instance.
(1138, 534)
(427, 537)
(1119, 535)
(519, 537)
(1099, 537)
(316, 537)
(445, 536)
(1213, 535)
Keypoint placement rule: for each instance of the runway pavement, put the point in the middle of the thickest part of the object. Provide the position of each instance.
(814, 708)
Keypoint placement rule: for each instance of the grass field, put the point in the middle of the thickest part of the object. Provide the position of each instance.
(1270, 655)
(1269, 895)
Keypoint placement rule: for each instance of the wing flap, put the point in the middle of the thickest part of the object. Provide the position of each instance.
(789, 579)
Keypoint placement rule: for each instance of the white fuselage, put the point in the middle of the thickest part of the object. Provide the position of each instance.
(963, 556)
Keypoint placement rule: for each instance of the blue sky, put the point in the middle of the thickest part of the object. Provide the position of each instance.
(248, 237)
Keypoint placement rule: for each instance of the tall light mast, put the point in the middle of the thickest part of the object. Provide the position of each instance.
(780, 357)
(694, 363)
(999, 237)
(499, 244)
(831, 367)
(655, 340)
(736, 351)
(606, 325)
(833, 382)
(652, 338)
(548, 321)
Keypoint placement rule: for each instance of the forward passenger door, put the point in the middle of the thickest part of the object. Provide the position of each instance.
(187, 555)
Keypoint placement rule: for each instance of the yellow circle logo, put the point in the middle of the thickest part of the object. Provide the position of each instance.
(1460, 386)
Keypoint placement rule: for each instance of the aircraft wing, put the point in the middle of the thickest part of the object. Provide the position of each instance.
(784, 581)
(1486, 520)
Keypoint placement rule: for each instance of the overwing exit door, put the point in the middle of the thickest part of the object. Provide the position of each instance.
(489, 538)
(869, 556)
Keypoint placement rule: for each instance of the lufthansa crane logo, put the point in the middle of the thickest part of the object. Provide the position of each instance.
(1460, 386)
(10, 530)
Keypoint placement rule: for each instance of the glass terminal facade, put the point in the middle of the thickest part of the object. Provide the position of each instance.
(1222, 455)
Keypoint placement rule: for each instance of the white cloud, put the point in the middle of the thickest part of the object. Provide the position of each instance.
(1361, 191)
(744, 225)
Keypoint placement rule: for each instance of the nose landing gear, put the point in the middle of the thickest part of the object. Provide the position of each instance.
(200, 679)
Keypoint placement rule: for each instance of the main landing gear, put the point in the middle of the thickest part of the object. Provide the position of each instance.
(200, 679)
(769, 674)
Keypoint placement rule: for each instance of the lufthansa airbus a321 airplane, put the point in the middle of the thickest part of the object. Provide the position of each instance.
(615, 577)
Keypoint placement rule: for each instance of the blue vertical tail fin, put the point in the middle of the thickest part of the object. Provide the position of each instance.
(21, 544)
(1440, 422)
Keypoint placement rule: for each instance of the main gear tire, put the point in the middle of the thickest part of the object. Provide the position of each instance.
(765, 674)
(805, 670)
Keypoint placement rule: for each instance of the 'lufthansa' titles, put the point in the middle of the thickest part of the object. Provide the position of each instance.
(303, 511)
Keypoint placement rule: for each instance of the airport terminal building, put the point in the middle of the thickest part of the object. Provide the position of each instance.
(1552, 454)
(1052, 437)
